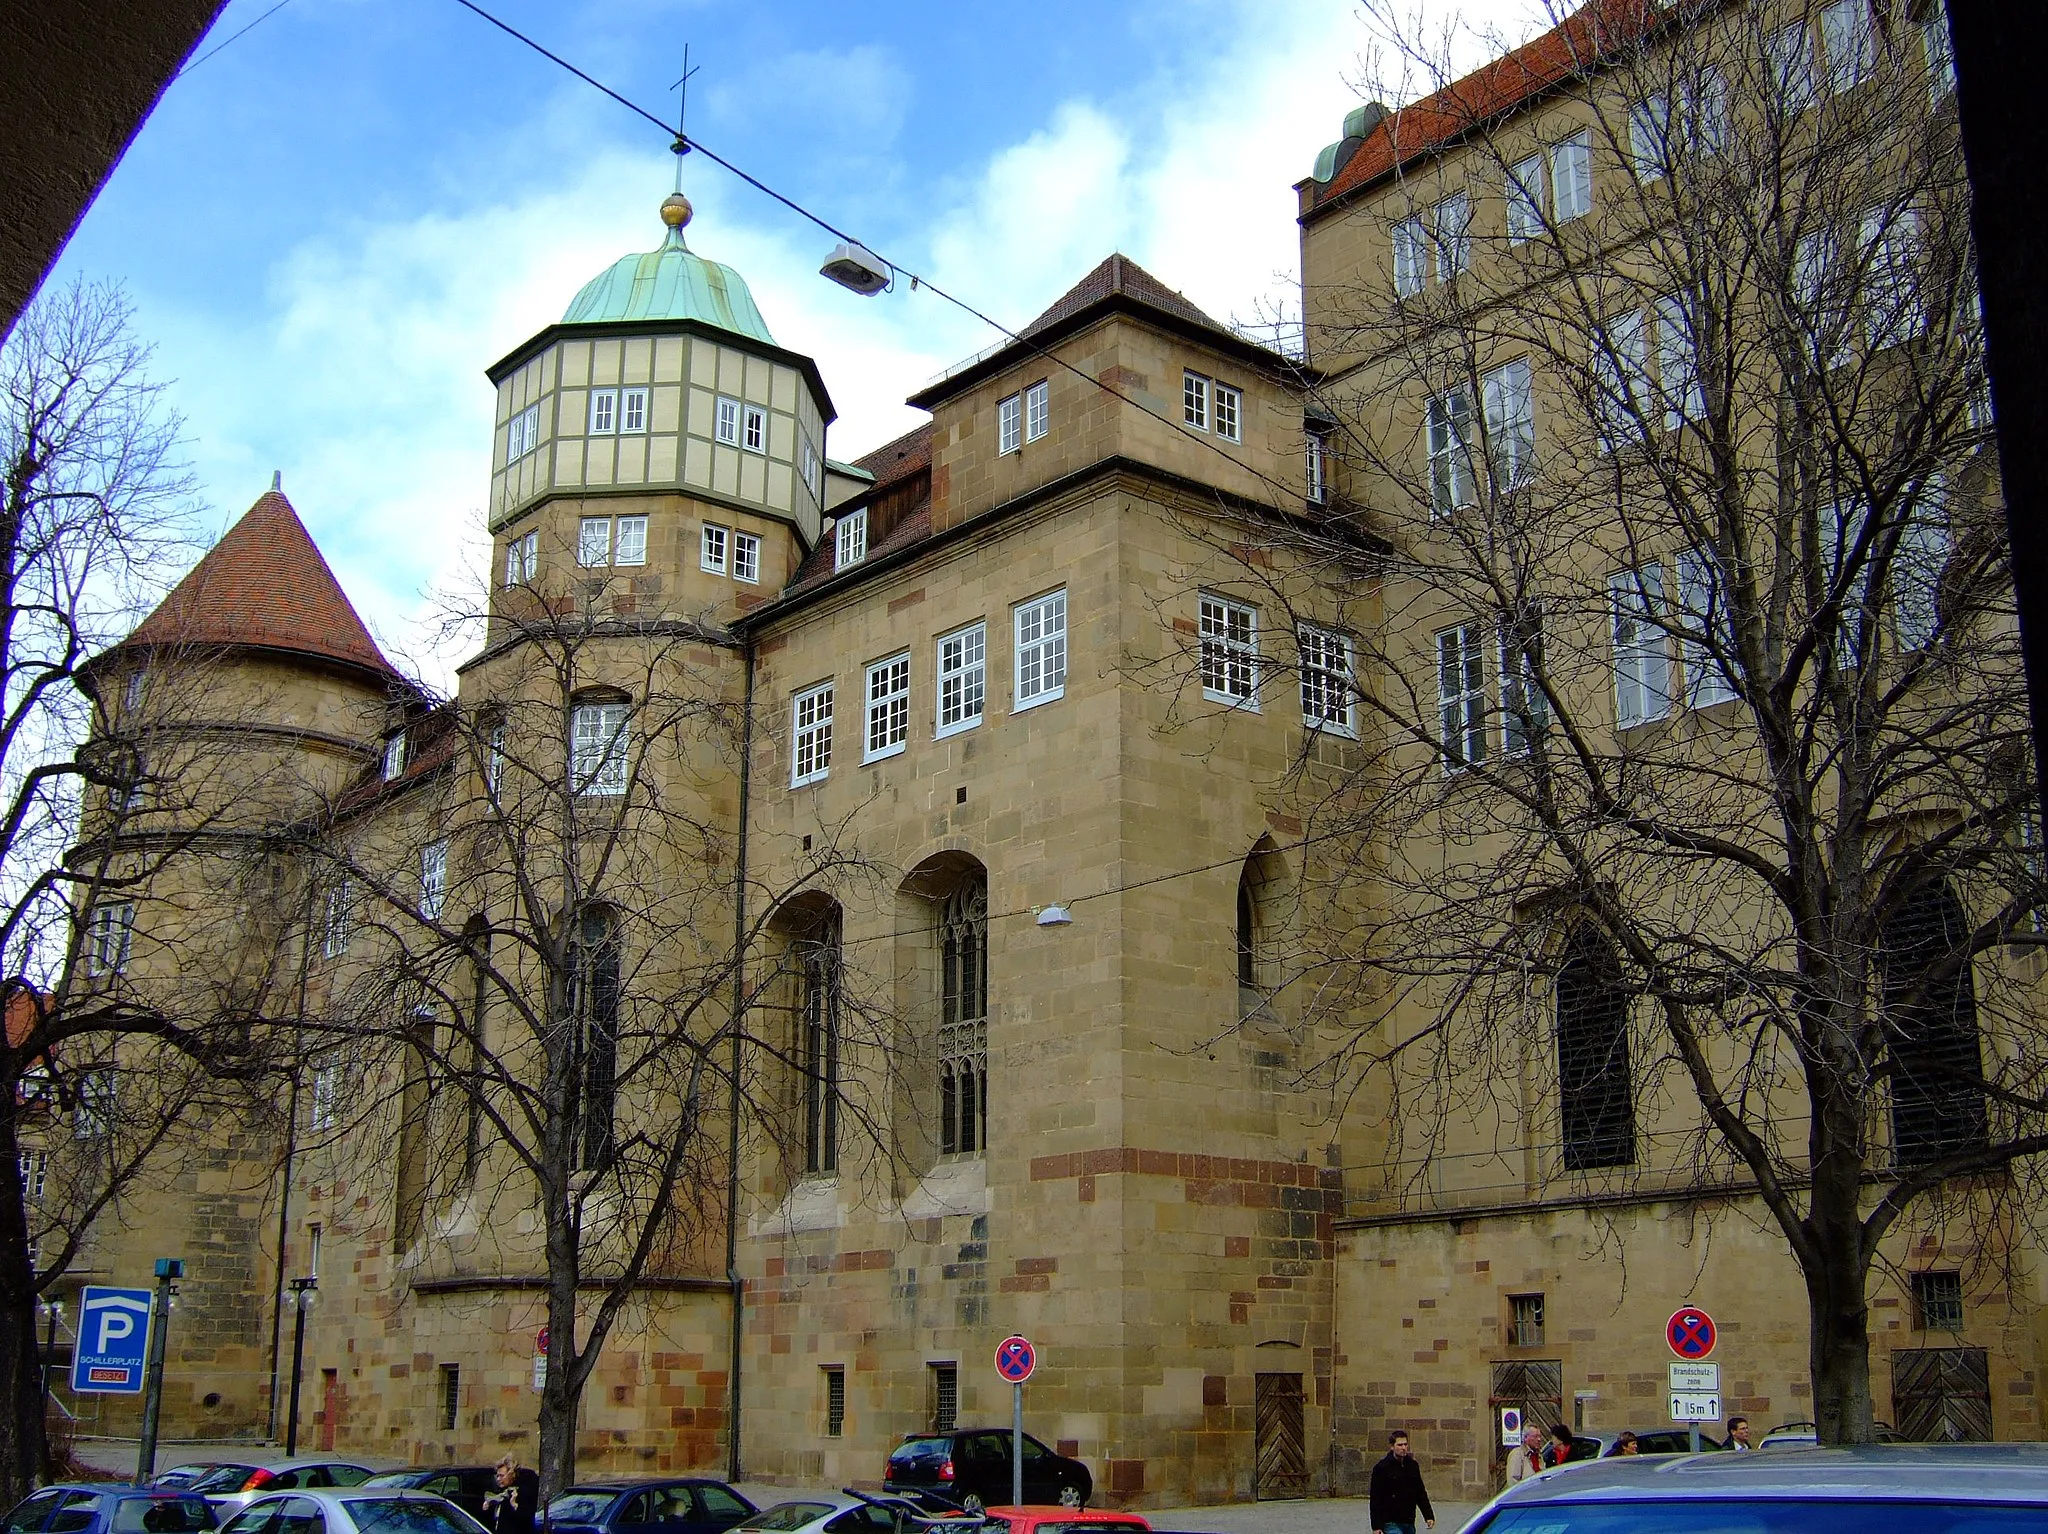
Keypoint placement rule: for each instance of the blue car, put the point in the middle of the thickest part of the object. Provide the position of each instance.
(694, 1506)
(109, 1510)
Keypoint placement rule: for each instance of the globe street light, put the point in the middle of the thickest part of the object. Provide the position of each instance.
(304, 1292)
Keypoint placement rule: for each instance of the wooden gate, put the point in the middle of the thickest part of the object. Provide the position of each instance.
(1280, 1464)
(1535, 1389)
(1942, 1395)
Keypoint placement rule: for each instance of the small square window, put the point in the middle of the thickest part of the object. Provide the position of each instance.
(712, 555)
(632, 410)
(1037, 411)
(1194, 400)
(1229, 409)
(945, 1397)
(850, 540)
(811, 735)
(1525, 1320)
(728, 420)
(594, 542)
(632, 549)
(746, 557)
(755, 439)
(1010, 424)
(1938, 1302)
(888, 692)
(604, 406)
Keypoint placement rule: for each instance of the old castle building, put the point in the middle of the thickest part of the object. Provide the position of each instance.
(1019, 753)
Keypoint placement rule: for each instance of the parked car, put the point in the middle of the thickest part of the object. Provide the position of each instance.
(231, 1486)
(1660, 1440)
(464, 1485)
(689, 1506)
(68, 1509)
(1807, 1434)
(228, 1473)
(856, 1512)
(973, 1465)
(1937, 1488)
(1061, 1520)
(389, 1510)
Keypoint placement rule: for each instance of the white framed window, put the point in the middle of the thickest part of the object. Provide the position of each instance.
(632, 546)
(98, 1101)
(754, 431)
(850, 539)
(522, 434)
(1326, 686)
(810, 468)
(1461, 695)
(1041, 650)
(728, 420)
(712, 548)
(1411, 242)
(1649, 130)
(963, 678)
(338, 920)
(1571, 177)
(594, 542)
(1940, 55)
(1817, 286)
(1842, 524)
(1642, 649)
(1448, 425)
(433, 879)
(394, 757)
(1926, 543)
(1524, 709)
(35, 1173)
(1229, 413)
(1453, 225)
(1230, 652)
(1788, 58)
(1510, 407)
(1892, 310)
(494, 756)
(810, 751)
(1194, 400)
(1709, 626)
(632, 410)
(132, 694)
(1678, 364)
(1009, 423)
(1848, 42)
(888, 695)
(1316, 456)
(109, 935)
(1707, 113)
(746, 558)
(600, 736)
(1621, 379)
(1525, 200)
(522, 558)
(604, 412)
(1037, 410)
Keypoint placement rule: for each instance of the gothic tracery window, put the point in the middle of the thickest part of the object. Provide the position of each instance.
(963, 1019)
(1595, 1086)
(1930, 1014)
(818, 954)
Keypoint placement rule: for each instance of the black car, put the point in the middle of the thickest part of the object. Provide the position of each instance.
(972, 1465)
(464, 1485)
(694, 1506)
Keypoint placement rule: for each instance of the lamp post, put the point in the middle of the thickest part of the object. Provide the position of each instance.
(304, 1292)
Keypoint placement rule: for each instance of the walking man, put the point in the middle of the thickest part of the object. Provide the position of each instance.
(1397, 1492)
(1526, 1459)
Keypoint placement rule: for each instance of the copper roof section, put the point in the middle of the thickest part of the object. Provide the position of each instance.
(265, 586)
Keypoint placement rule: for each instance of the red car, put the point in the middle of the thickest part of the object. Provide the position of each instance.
(1060, 1520)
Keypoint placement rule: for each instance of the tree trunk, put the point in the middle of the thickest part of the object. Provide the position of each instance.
(23, 1451)
(1839, 1354)
(563, 1388)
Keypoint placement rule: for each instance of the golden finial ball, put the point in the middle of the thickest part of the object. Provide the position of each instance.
(675, 210)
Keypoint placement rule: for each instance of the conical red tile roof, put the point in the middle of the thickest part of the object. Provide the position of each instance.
(265, 585)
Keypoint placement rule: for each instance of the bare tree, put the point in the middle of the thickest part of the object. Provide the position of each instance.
(1693, 762)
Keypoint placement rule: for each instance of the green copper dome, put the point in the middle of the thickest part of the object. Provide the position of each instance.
(672, 283)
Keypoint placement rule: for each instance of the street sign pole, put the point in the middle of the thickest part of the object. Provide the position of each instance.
(1017, 1445)
(167, 1269)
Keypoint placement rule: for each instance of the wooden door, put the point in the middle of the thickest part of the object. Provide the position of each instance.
(1280, 1461)
(1942, 1395)
(330, 1407)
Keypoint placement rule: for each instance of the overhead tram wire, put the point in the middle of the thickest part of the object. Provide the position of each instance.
(236, 36)
(685, 145)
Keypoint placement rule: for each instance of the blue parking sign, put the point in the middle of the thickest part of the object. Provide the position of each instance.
(113, 1340)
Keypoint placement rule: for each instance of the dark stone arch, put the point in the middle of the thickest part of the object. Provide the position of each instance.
(1596, 1087)
(1930, 1019)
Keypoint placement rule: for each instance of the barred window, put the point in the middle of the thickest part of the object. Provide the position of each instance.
(811, 745)
(835, 1401)
(1938, 1302)
(963, 1019)
(1230, 651)
(1525, 1320)
(1326, 685)
(945, 1397)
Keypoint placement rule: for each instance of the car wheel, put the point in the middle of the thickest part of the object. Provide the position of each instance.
(973, 1504)
(1070, 1496)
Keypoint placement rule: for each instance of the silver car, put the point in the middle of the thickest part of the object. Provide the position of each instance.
(370, 1510)
(1984, 1488)
(231, 1487)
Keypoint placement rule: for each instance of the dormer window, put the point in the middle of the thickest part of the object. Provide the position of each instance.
(394, 756)
(851, 540)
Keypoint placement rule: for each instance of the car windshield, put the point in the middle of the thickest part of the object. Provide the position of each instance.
(219, 1478)
(411, 1515)
(920, 1451)
(789, 1515)
(574, 1506)
(401, 1478)
(1761, 1516)
(161, 1515)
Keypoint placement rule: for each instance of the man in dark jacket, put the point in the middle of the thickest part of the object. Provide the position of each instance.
(1397, 1492)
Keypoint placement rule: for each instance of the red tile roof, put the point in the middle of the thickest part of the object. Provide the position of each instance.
(1119, 275)
(899, 459)
(265, 585)
(1508, 82)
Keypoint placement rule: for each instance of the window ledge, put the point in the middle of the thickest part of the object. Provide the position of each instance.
(1043, 698)
(944, 731)
(885, 753)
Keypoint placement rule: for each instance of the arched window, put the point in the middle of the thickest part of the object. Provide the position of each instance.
(594, 1009)
(963, 1018)
(818, 957)
(1596, 1093)
(1930, 1015)
(1247, 931)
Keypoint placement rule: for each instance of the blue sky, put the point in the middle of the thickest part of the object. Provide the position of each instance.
(334, 225)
